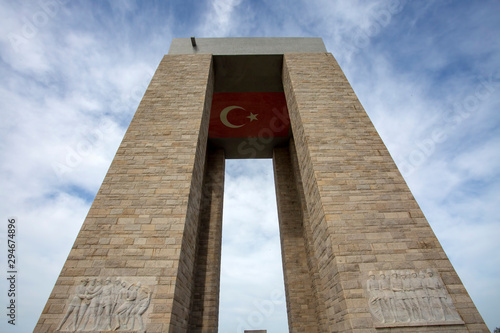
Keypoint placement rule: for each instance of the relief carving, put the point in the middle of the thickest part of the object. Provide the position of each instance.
(399, 298)
(106, 305)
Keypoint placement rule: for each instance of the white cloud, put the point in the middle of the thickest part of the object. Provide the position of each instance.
(482, 162)
(221, 19)
(251, 254)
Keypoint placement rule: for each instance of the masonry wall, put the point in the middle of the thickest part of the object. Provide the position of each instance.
(143, 224)
(204, 314)
(362, 215)
(312, 256)
(301, 299)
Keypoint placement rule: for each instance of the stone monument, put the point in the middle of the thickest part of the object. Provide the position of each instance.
(358, 254)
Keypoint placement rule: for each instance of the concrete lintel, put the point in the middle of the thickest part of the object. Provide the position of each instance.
(248, 45)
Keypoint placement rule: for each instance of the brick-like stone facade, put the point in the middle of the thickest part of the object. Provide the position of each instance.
(143, 224)
(205, 309)
(362, 217)
(301, 300)
(345, 211)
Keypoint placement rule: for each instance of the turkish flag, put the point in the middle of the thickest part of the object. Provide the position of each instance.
(249, 115)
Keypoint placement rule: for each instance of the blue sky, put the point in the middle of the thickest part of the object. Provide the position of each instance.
(73, 73)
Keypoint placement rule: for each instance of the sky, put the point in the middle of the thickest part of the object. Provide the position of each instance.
(73, 72)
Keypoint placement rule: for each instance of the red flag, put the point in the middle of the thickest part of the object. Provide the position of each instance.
(249, 115)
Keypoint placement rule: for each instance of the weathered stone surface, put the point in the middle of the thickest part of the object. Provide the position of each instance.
(204, 316)
(361, 214)
(144, 220)
(301, 296)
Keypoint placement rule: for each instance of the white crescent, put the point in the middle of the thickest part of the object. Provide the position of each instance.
(223, 116)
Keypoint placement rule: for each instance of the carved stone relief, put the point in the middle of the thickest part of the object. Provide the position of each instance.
(408, 298)
(106, 305)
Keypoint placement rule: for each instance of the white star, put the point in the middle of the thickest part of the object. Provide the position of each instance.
(253, 117)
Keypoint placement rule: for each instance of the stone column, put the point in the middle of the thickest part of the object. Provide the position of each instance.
(142, 228)
(362, 215)
(301, 298)
(205, 309)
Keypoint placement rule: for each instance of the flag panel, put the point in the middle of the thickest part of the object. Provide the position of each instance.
(244, 115)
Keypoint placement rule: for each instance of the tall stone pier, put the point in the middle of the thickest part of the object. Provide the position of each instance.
(358, 254)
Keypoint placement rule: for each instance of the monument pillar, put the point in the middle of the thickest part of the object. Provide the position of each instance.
(301, 297)
(204, 317)
(143, 224)
(364, 220)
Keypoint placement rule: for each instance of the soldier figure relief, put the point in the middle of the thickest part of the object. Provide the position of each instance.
(98, 305)
(409, 297)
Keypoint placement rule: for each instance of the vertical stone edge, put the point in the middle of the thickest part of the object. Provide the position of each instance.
(312, 261)
(204, 315)
(184, 288)
(301, 299)
(328, 282)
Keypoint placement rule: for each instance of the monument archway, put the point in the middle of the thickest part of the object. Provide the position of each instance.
(358, 254)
